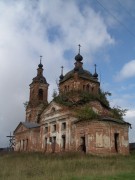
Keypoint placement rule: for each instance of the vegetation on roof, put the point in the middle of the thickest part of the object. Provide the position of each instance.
(77, 99)
(73, 98)
(86, 113)
(118, 113)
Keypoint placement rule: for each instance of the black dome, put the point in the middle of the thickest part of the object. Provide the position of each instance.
(95, 75)
(40, 65)
(78, 57)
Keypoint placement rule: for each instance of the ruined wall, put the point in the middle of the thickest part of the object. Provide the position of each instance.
(100, 137)
(27, 140)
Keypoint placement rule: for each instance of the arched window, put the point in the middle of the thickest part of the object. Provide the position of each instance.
(40, 94)
(53, 109)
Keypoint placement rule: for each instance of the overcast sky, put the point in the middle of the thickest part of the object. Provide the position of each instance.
(53, 28)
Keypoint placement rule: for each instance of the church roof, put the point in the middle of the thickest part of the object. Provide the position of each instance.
(40, 79)
(109, 119)
(115, 120)
(30, 125)
(82, 73)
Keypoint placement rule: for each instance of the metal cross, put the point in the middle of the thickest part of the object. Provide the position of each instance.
(79, 48)
(41, 59)
(95, 67)
(62, 70)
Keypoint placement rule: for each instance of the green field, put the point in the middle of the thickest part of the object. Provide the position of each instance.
(38, 166)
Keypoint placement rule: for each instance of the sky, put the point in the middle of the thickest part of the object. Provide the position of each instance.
(30, 28)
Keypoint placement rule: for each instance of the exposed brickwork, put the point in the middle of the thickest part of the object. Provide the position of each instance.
(55, 128)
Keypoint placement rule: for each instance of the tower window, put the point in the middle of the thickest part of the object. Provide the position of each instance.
(40, 94)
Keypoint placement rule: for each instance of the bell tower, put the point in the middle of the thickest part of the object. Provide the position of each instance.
(38, 95)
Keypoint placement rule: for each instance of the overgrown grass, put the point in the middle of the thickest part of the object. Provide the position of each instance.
(38, 166)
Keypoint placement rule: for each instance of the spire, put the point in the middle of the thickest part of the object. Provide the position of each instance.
(78, 57)
(40, 65)
(95, 75)
(61, 76)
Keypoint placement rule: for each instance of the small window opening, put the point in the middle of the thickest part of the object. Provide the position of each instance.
(63, 126)
(53, 109)
(54, 128)
(50, 139)
(46, 129)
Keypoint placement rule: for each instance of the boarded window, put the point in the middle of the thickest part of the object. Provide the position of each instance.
(99, 138)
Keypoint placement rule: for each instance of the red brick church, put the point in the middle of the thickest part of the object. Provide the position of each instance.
(79, 118)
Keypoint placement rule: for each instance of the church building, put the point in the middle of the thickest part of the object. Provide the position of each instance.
(78, 119)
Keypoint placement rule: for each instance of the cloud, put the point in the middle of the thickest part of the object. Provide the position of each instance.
(50, 28)
(127, 71)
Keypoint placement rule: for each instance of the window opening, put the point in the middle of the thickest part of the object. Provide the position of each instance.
(54, 128)
(40, 94)
(63, 126)
(46, 129)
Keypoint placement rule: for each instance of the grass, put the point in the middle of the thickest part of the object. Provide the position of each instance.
(38, 166)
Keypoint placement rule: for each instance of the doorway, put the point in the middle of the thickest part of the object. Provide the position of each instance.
(63, 142)
(45, 144)
(53, 144)
(83, 144)
(116, 141)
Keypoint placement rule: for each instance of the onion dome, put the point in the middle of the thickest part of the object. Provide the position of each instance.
(40, 65)
(78, 57)
(61, 77)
